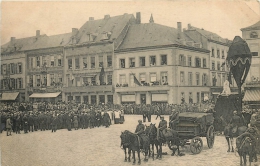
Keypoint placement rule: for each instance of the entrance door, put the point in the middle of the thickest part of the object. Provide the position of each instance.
(143, 98)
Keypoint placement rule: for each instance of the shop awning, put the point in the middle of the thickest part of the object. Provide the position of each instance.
(44, 95)
(252, 95)
(9, 96)
(160, 97)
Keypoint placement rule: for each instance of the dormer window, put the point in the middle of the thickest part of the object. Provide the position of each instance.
(253, 35)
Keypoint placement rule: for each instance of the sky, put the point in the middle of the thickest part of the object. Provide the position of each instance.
(225, 17)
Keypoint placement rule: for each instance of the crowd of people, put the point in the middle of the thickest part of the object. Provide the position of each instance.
(27, 117)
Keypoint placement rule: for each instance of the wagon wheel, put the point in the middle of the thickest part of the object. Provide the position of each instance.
(210, 136)
(196, 145)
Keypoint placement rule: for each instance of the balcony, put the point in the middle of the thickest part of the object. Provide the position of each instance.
(44, 69)
(142, 88)
(97, 88)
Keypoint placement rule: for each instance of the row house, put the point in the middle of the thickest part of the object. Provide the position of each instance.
(13, 68)
(154, 65)
(89, 59)
(251, 35)
(44, 76)
(218, 48)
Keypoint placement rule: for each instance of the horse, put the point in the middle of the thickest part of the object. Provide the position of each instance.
(135, 143)
(125, 145)
(229, 135)
(151, 132)
(245, 145)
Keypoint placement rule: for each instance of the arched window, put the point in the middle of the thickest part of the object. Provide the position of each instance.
(253, 35)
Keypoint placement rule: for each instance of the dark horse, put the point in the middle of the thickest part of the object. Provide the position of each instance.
(135, 143)
(151, 132)
(125, 145)
(246, 144)
(171, 138)
(230, 135)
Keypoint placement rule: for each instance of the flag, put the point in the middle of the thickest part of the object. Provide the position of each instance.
(136, 81)
(101, 75)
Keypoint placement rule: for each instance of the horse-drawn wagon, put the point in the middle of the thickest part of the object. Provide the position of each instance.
(192, 126)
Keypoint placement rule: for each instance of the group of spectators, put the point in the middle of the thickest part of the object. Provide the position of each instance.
(27, 117)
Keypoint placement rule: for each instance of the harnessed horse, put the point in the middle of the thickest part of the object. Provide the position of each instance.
(135, 144)
(151, 131)
(125, 145)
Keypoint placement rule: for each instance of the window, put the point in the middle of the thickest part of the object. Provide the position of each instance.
(52, 79)
(19, 83)
(223, 66)
(152, 60)
(4, 68)
(70, 98)
(31, 62)
(19, 68)
(122, 63)
(122, 79)
(93, 80)
(59, 78)
(38, 80)
(77, 63)
(218, 66)
(38, 61)
(93, 64)
(100, 60)
(78, 82)
(77, 99)
(182, 97)
(52, 61)
(198, 97)
(223, 54)
(164, 78)
(214, 79)
(190, 78)
(182, 60)
(12, 83)
(182, 80)
(163, 59)
(31, 81)
(204, 80)
(254, 53)
(204, 63)
(213, 65)
(218, 53)
(197, 79)
(109, 79)
(223, 78)
(142, 61)
(69, 63)
(109, 61)
(142, 78)
(153, 77)
(59, 60)
(212, 52)
(12, 70)
(198, 62)
(85, 62)
(253, 35)
(85, 81)
(132, 62)
(189, 61)
(190, 98)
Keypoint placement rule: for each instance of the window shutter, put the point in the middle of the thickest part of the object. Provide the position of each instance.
(21, 83)
(48, 79)
(8, 69)
(34, 81)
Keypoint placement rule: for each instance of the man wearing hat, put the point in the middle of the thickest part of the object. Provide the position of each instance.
(162, 127)
(8, 125)
(235, 122)
(140, 132)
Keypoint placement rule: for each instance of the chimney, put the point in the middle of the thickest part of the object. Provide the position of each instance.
(38, 33)
(138, 18)
(179, 28)
(107, 16)
(12, 39)
(189, 26)
(91, 18)
(74, 31)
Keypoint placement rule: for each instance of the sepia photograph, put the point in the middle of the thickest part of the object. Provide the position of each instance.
(120, 83)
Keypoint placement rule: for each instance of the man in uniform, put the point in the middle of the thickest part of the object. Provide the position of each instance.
(174, 119)
(162, 127)
(140, 132)
(235, 122)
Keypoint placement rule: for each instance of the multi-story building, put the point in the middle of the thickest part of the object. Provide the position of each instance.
(13, 68)
(218, 47)
(45, 64)
(89, 59)
(156, 63)
(251, 35)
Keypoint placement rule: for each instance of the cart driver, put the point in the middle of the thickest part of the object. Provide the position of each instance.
(235, 122)
(162, 126)
(140, 132)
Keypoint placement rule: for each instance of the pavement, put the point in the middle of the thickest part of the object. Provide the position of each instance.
(100, 147)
